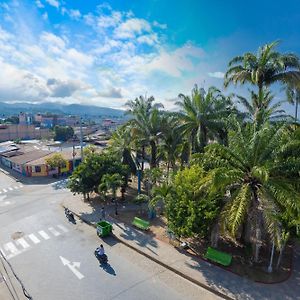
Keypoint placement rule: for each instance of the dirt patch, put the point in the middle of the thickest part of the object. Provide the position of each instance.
(17, 235)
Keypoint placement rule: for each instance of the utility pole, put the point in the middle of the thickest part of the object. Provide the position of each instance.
(81, 139)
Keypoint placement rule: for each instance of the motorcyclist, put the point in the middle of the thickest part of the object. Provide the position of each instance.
(100, 251)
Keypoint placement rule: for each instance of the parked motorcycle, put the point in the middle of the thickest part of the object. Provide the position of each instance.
(70, 216)
(101, 258)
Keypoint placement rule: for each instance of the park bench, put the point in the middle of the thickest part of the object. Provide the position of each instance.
(218, 256)
(140, 223)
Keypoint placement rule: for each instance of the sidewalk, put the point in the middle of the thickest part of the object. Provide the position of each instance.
(223, 283)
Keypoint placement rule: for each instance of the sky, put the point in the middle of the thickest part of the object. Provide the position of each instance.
(106, 53)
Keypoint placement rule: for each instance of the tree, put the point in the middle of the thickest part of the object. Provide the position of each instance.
(145, 123)
(189, 209)
(202, 115)
(260, 109)
(87, 176)
(111, 182)
(63, 133)
(293, 97)
(258, 175)
(56, 161)
(264, 68)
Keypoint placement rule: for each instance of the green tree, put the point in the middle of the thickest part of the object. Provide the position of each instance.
(87, 176)
(56, 161)
(261, 109)
(189, 209)
(293, 97)
(264, 68)
(111, 182)
(258, 175)
(203, 115)
(63, 133)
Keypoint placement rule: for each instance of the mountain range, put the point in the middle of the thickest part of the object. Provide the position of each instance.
(8, 109)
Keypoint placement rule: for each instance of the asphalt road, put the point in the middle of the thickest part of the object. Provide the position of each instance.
(37, 239)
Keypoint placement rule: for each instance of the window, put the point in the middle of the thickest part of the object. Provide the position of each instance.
(38, 169)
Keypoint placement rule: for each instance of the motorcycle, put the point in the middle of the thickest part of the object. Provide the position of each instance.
(101, 258)
(70, 216)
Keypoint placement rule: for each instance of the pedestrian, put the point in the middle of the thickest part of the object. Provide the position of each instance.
(103, 213)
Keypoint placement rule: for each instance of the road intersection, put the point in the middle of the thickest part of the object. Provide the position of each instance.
(55, 260)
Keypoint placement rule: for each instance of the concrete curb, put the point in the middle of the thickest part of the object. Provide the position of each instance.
(187, 277)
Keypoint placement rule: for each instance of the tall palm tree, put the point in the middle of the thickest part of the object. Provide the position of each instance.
(258, 174)
(145, 122)
(202, 115)
(264, 68)
(293, 97)
(121, 143)
(260, 108)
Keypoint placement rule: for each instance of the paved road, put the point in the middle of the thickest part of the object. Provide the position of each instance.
(35, 236)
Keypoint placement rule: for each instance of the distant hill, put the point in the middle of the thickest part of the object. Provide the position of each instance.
(57, 108)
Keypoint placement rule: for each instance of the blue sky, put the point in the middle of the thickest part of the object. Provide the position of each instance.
(104, 53)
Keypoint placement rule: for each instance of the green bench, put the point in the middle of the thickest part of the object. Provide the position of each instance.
(218, 256)
(140, 223)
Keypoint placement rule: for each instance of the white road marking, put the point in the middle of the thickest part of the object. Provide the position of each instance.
(16, 187)
(4, 190)
(11, 248)
(72, 267)
(0, 192)
(63, 228)
(44, 235)
(10, 188)
(53, 231)
(21, 185)
(23, 243)
(34, 238)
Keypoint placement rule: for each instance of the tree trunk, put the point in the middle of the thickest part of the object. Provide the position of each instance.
(296, 111)
(153, 154)
(280, 257)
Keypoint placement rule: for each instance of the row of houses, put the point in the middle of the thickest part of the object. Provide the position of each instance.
(32, 162)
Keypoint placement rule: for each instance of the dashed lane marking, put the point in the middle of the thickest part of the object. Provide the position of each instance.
(63, 228)
(4, 190)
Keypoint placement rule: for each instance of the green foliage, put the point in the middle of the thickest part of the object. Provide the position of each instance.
(110, 182)
(63, 133)
(258, 173)
(140, 199)
(56, 161)
(189, 209)
(88, 175)
(12, 120)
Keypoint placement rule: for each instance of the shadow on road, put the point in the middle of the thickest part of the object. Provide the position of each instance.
(108, 269)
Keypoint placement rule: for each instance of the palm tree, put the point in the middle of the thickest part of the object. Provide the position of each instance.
(293, 97)
(111, 182)
(264, 68)
(121, 144)
(145, 122)
(202, 115)
(258, 174)
(171, 141)
(260, 109)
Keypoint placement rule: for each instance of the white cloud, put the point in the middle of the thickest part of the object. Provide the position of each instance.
(39, 4)
(131, 28)
(217, 74)
(45, 16)
(54, 3)
(74, 14)
(159, 25)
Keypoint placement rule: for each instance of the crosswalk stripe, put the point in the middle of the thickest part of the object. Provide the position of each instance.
(63, 228)
(4, 190)
(16, 187)
(21, 185)
(0, 192)
(11, 248)
(44, 235)
(10, 188)
(34, 238)
(23, 243)
(53, 231)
